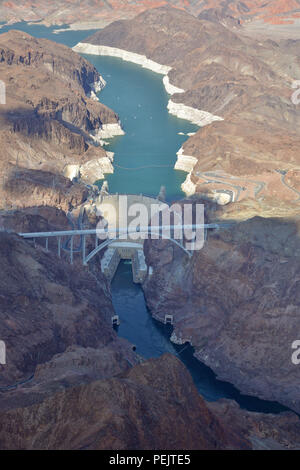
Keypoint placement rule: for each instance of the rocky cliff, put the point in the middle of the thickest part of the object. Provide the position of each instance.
(120, 410)
(51, 121)
(28, 188)
(70, 383)
(237, 302)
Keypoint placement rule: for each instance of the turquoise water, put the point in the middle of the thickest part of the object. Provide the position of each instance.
(147, 151)
(146, 155)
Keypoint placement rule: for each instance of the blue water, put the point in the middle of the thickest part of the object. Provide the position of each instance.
(69, 38)
(147, 154)
(151, 339)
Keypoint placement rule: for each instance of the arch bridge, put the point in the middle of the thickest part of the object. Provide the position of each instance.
(111, 236)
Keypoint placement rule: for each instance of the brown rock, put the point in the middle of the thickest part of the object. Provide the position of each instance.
(48, 118)
(245, 81)
(237, 302)
(128, 411)
(231, 13)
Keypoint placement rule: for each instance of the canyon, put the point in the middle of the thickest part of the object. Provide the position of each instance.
(235, 301)
(64, 356)
(245, 86)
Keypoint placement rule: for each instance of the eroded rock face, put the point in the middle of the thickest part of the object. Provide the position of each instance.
(264, 431)
(28, 188)
(47, 306)
(237, 302)
(71, 383)
(127, 411)
(49, 121)
(34, 219)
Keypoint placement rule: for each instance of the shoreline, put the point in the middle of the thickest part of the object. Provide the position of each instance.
(180, 110)
(139, 59)
(96, 168)
(178, 339)
(84, 26)
(186, 163)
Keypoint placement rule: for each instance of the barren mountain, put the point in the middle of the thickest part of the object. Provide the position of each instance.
(232, 12)
(70, 382)
(272, 11)
(252, 153)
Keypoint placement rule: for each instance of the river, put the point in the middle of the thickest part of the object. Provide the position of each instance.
(144, 161)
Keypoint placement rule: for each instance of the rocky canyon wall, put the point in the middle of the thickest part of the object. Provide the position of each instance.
(237, 302)
(52, 120)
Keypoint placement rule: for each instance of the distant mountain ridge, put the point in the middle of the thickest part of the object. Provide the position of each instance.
(60, 12)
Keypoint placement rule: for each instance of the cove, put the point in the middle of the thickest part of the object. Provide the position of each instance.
(144, 161)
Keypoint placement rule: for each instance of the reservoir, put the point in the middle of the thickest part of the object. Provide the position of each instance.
(146, 154)
(144, 161)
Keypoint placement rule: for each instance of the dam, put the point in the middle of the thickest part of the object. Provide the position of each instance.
(110, 207)
(125, 251)
(144, 161)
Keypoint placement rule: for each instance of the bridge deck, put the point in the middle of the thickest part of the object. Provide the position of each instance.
(147, 229)
(120, 234)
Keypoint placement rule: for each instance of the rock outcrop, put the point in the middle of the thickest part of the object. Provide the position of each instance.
(120, 410)
(237, 302)
(49, 123)
(28, 188)
(47, 306)
(70, 383)
(264, 431)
